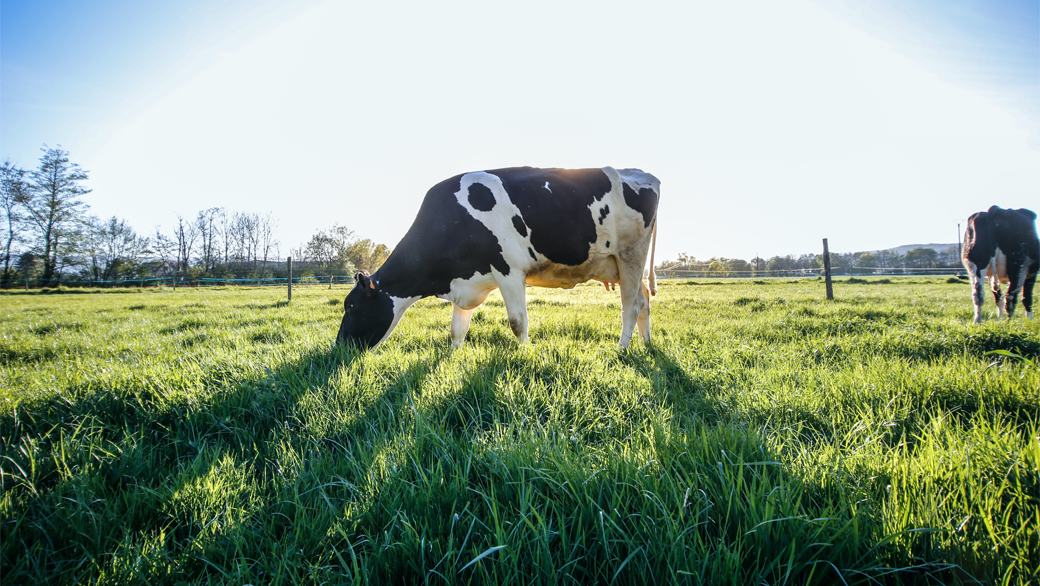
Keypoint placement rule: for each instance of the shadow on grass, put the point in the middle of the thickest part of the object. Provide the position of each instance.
(123, 457)
(331, 491)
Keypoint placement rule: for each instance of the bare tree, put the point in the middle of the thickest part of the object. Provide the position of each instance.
(223, 223)
(244, 237)
(234, 239)
(253, 235)
(91, 245)
(14, 188)
(186, 234)
(118, 249)
(267, 241)
(53, 204)
(68, 250)
(207, 224)
(165, 248)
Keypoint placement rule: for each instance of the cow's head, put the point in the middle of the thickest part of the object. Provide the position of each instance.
(368, 314)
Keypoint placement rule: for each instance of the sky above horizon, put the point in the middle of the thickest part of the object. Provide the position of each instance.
(770, 125)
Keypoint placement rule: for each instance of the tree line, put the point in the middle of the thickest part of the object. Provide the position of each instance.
(867, 261)
(51, 238)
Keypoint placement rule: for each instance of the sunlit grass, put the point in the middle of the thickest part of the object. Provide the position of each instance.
(766, 436)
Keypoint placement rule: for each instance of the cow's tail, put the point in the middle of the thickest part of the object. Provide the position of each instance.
(653, 272)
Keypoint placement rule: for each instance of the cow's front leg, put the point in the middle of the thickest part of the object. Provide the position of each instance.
(977, 294)
(459, 325)
(514, 294)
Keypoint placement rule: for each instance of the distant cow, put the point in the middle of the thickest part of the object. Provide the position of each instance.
(1004, 244)
(508, 228)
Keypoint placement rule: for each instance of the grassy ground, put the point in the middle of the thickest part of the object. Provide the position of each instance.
(767, 436)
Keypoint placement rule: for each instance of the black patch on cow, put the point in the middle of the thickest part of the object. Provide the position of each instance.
(518, 224)
(367, 316)
(531, 252)
(444, 243)
(561, 227)
(481, 198)
(603, 214)
(644, 202)
(608, 244)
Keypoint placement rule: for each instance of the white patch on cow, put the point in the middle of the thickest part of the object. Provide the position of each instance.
(637, 179)
(547, 186)
(997, 270)
(976, 288)
(469, 293)
(460, 319)
(400, 305)
(499, 220)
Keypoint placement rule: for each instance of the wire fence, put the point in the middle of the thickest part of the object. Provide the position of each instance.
(326, 280)
(175, 282)
(809, 273)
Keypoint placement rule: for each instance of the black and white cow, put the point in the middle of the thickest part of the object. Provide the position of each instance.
(1004, 244)
(508, 228)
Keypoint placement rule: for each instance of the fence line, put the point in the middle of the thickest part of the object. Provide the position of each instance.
(348, 280)
(804, 273)
(184, 282)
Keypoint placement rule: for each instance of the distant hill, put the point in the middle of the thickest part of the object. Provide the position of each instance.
(908, 247)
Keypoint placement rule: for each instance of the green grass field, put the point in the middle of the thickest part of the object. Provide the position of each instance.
(766, 437)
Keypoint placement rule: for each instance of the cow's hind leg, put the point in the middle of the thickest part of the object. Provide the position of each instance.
(459, 325)
(514, 294)
(998, 296)
(644, 315)
(1027, 294)
(1015, 281)
(632, 302)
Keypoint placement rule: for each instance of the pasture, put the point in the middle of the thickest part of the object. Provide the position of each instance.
(766, 436)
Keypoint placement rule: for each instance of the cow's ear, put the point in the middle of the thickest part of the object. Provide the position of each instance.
(364, 281)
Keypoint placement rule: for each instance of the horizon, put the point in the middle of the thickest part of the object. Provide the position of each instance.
(770, 127)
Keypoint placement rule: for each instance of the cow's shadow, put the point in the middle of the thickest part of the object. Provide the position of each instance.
(234, 416)
(162, 459)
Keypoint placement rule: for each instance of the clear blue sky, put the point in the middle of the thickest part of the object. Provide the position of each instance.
(771, 125)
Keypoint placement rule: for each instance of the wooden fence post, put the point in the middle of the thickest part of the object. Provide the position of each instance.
(290, 278)
(827, 270)
(960, 238)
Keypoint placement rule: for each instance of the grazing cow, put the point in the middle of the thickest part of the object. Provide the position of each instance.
(1004, 244)
(508, 228)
